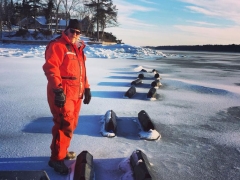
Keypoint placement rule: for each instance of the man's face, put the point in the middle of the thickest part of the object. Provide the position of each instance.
(73, 35)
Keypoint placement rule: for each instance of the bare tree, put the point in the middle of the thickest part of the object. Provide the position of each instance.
(86, 15)
(1, 10)
(57, 4)
(69, 7)
(91, 21)
(80, 11)
(58, 8)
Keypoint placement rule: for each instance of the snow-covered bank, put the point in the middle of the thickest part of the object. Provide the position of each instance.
(92, 51)
(197, 114)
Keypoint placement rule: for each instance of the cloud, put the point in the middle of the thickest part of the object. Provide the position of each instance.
(179, 35)
(201, 10)
(134, 23)
(211, 35)
(149, 2)
(201, 23)
(129, 8)
(126, 11)
(134, 31)
(226, 9)
(137, 36)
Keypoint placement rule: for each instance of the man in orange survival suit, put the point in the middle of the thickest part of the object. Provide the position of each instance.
(67, 84)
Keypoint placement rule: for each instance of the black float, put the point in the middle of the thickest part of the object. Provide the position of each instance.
(136, 82)
(84, 167)
(157, 76)
(143, 70)
(152, 93)
(145, 121)
(140, 166)
(154, 71)
(111, 121)
(156, 83)
(36, 175)
(130, 92)
(141, 76)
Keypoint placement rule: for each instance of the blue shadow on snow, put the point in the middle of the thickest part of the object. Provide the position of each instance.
(125, 84)
(31, 164)
(122, 77)
(121, 84)
(87, 125)
(118, 94)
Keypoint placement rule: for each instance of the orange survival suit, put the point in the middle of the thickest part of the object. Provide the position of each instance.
(64, 68)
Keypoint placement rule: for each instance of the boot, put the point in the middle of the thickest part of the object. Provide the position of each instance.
(59, 166)
(70, 155)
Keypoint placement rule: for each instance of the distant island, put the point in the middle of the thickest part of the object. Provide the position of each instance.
(213, 48)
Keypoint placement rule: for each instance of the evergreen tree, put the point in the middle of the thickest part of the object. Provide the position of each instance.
(105, 14)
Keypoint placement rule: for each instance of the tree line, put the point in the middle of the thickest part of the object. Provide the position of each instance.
(212, 48)
(100, 13)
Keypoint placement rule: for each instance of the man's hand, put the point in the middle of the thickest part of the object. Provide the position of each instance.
(87, 96)
(60, 97)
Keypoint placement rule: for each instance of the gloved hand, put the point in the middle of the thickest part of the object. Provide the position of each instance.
(60, 97)
(87, 96)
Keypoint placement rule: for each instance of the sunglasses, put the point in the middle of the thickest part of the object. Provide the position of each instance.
(74, 31)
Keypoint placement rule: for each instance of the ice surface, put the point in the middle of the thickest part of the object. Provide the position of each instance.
(197, 112)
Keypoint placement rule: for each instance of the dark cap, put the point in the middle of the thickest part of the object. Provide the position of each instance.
(74, 24)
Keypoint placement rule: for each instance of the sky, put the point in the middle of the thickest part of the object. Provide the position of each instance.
(177, 22)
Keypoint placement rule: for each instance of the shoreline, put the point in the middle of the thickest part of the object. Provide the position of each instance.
(45, 42)
(232, 48)
(27, 42)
